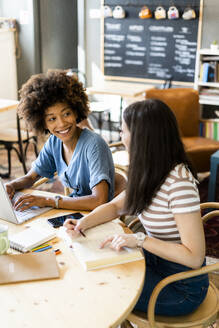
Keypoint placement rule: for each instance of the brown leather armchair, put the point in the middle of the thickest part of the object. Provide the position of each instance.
(184, 102)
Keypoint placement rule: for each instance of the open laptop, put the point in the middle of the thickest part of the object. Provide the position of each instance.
(8, 213)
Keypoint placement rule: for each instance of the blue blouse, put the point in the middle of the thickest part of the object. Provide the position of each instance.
(90, 164)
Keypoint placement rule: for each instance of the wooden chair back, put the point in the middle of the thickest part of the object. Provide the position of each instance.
(205, 315)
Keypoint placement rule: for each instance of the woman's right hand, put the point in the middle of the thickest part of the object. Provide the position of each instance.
(74, 227)
(10, 190)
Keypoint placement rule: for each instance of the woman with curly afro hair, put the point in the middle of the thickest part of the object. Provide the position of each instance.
(56, 102)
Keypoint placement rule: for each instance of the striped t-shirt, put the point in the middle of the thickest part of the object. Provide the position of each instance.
(178, 194)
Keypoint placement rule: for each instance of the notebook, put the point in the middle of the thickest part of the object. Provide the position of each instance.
(8, 213)
(30, 266)
(92, 257)
(29, 238)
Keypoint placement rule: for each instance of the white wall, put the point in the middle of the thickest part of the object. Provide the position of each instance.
(8, 68)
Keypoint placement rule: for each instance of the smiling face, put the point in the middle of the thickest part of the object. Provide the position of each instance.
(60, 120)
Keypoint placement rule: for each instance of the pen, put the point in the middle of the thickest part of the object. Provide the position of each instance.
(43, 249)
(41, 246)
(81, 232)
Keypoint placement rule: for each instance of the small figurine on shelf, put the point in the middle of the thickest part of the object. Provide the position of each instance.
(214, 45)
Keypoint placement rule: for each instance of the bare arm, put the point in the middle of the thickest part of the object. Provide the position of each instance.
(190, 253)
(23, 182)
(192, 250)
(99, 196)
(101, 214)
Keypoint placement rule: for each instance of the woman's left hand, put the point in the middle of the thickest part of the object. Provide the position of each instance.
(27, 200)
(117, 242)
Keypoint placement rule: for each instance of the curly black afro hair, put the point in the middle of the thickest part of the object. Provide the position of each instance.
(44, 90)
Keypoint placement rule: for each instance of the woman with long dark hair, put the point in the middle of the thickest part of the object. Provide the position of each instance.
(162, 191)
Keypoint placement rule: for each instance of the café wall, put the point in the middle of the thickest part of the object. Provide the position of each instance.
(91, 40)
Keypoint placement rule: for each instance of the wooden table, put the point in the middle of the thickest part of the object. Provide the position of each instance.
(122, 89)
(97, 299)
(6, 104)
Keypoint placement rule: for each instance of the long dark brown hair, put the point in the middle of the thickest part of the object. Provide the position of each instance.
(155, 149)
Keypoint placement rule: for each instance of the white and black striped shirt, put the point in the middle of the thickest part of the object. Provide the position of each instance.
(178, 194)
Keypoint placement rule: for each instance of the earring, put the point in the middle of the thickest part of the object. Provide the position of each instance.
(118, 12)
(160, 13)
(107, 12)
(189, 13)
(145, 13)
(173, 13)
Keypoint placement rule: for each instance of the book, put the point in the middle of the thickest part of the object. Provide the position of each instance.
(212, 72)
(90, 255)
(205, 72)
(26, 267)
(29, 238)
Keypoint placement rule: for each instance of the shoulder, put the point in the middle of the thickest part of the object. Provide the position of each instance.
(52, 142)
(181, 177)
(92, 139)
(181, 172)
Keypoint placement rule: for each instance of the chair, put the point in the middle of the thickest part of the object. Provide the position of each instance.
(213, 176)
(184, 102)
(120, 182)
(99, 110)
(120, 156)
(204, 316)
(15, 136)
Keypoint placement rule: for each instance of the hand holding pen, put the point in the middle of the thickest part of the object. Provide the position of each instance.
(74, 227)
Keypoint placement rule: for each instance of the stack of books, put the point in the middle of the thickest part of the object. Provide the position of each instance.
(211, 94)
(209, 70)
(209, 130)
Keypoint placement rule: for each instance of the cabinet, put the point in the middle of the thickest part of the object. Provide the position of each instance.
(207, 84)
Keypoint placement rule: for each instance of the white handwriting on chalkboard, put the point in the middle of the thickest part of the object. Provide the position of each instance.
(157, 48)
(113, 27)
(157, 54)
(135, 47)
(136, 28)
(112, 45)
(157, 43)
(158, 38)
(186, 54)
(133, 62)
(109, 52)
(134, 38)
(159, 71)
(113, 58)
(181, 70)
(185, 30)
(167, 29)
(112, 64)
(187, 42)
(135, 53)
(114, 37)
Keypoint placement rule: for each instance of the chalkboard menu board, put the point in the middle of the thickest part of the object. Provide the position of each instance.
(151, 49)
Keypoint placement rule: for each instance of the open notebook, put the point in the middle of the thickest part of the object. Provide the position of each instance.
(30, 266)
(91, 256)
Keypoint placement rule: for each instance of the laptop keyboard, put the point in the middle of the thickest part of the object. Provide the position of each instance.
(29, 213)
